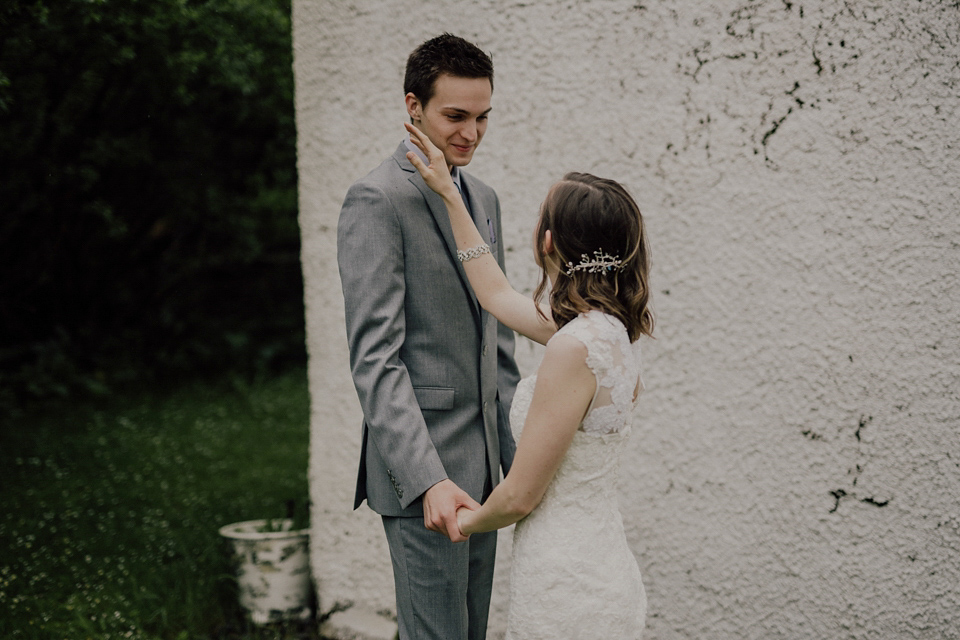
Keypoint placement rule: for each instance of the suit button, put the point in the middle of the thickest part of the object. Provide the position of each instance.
(484, 407)
(484, 350)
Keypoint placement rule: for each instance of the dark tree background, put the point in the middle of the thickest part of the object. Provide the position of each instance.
(148, 208)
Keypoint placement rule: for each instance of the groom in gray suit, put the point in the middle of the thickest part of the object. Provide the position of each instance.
(434, 372)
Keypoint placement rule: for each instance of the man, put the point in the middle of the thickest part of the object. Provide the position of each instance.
(434, 372)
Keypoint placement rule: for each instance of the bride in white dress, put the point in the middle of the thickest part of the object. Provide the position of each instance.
(573, 575)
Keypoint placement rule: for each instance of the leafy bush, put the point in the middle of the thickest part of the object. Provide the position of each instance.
(149, 191)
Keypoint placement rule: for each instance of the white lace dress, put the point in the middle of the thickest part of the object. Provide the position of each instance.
(573, 575)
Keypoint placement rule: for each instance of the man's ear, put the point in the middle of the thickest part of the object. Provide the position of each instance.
(414, 108)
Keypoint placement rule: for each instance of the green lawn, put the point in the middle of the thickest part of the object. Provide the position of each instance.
(109, 511)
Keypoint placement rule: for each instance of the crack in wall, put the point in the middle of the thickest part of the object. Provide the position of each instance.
(840, 494)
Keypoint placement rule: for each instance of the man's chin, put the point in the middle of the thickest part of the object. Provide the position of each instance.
(460, 160)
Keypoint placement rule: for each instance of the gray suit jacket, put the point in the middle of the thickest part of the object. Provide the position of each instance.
(434, 372)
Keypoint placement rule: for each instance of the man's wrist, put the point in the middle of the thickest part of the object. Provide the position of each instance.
(435, 485)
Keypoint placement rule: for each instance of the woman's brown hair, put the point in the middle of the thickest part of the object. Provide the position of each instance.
(586, 215)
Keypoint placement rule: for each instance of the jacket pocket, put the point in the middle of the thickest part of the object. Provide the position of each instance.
(434, 398)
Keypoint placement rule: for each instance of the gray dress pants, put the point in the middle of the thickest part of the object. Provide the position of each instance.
(443, 589)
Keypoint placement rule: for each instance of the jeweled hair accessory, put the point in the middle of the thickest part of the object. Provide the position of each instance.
(599, 263)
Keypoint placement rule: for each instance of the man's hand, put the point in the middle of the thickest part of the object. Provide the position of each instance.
(464, 514)
(440, 504)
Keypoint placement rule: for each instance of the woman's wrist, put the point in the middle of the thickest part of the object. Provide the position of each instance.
(462, 516)
(451, 194)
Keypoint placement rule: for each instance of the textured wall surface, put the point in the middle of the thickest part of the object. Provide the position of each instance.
(795, 467)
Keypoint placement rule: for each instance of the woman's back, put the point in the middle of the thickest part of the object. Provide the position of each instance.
(573, 575)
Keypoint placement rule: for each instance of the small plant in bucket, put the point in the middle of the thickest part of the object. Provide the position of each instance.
(272, 567)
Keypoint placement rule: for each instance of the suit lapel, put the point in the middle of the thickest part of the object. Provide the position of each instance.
(442, 218)
(479, 214)
(480, 219)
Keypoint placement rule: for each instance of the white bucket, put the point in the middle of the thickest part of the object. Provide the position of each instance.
(273, 569)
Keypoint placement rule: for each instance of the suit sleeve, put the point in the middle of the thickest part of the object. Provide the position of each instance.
(371, 262)
(508, 375)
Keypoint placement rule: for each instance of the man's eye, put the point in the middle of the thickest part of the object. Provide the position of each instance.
(483, 118)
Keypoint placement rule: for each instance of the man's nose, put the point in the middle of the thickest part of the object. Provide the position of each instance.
(469, 131)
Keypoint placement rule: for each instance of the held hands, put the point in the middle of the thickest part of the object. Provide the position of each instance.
(463, 516)
(440, 505)
(437, 174)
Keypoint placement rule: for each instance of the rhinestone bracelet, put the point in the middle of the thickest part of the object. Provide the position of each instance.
(475, 252)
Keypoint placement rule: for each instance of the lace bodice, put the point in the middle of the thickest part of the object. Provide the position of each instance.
(613, 360)
(573, 575)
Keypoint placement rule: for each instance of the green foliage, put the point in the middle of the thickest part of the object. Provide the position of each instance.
(109, 513)
(148, 191)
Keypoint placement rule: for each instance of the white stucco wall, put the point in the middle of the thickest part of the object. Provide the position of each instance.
(795, 467)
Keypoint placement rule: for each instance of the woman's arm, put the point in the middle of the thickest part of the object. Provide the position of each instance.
(493, 289)
(565, 388)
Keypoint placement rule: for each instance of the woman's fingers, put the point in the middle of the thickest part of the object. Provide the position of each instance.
(416, 161)
(420, 139)
(434, 169)
(414, 134)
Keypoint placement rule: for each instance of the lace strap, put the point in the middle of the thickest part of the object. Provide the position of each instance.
(614, 363)
(597, 332)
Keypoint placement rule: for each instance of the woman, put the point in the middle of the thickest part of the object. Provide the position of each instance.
(573, 575)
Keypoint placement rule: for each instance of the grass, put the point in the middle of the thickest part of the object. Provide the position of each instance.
(109, 511)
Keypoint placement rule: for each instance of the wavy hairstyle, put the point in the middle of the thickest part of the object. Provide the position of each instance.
(586, 214)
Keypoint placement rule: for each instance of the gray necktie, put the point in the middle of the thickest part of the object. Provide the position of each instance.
(466, 203)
